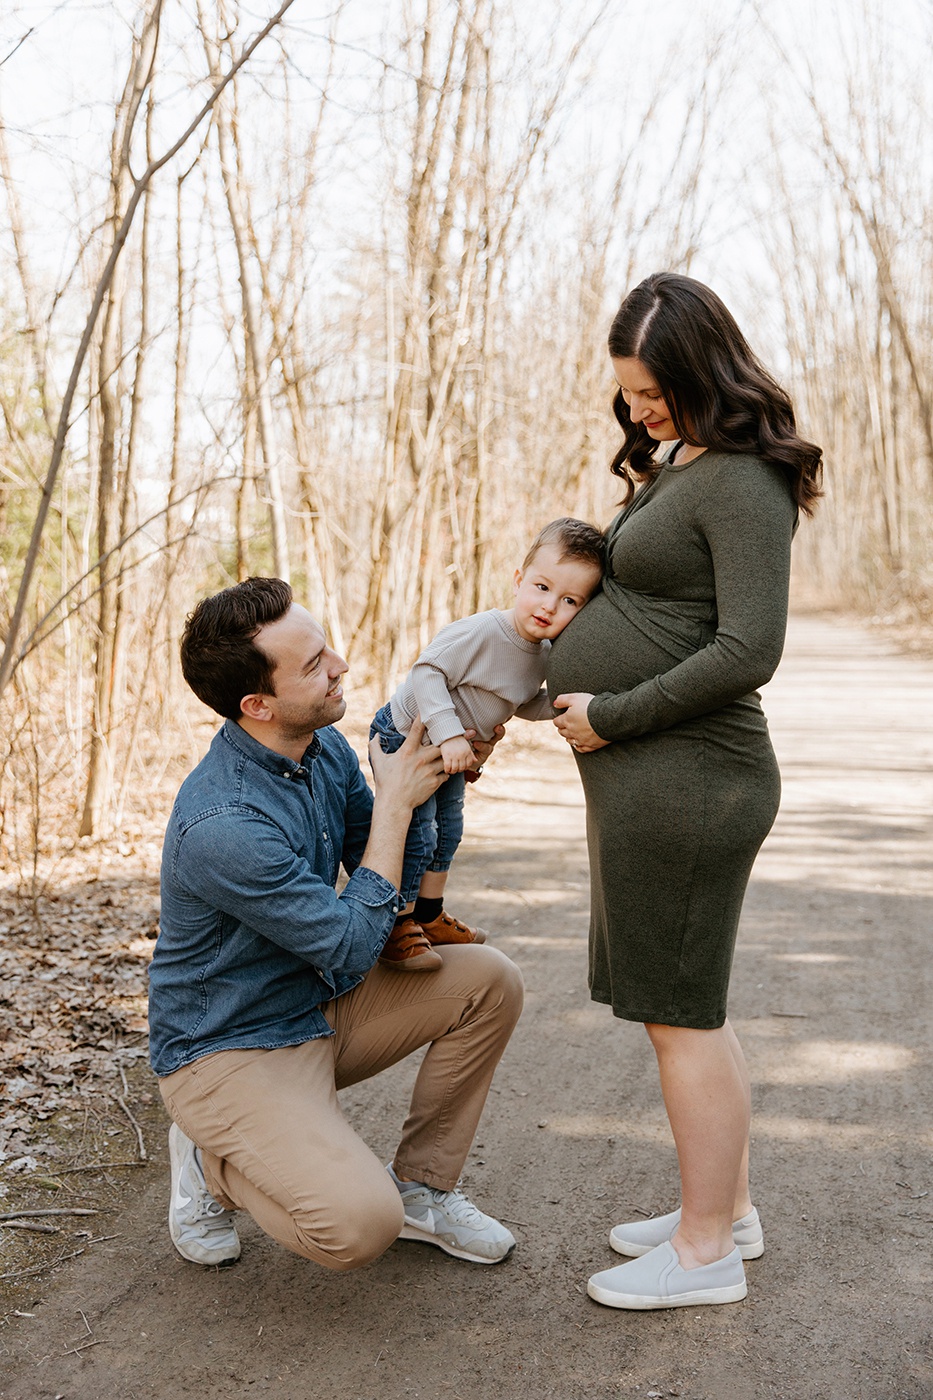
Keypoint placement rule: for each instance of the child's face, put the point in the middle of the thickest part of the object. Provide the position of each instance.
(550, 592)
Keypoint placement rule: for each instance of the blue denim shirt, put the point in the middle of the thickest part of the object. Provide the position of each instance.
(253, 937)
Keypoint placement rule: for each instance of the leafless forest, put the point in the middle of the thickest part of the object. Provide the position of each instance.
(324, 292)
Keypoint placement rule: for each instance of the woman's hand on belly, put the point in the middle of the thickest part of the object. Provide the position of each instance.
(573, 725)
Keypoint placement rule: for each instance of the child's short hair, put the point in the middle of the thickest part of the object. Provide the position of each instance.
(576, 539)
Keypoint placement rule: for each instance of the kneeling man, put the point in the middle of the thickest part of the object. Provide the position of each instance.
(266, 996)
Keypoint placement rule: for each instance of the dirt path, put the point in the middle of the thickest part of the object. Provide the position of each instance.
(832, 997)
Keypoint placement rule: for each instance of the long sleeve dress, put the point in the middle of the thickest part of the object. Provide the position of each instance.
(689, 624)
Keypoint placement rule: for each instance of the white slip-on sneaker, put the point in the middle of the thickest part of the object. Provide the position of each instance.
(201, 1230)
(636, 1237)
(450, 1220)
(659, 1280)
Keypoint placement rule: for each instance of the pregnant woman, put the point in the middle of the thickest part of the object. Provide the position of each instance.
(657, 682)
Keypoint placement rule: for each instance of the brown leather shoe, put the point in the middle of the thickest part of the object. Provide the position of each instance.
(408, 950)
(446, 929)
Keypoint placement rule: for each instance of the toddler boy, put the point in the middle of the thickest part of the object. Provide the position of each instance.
(477, 673)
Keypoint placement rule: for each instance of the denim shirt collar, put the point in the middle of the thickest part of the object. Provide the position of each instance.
(267, 758)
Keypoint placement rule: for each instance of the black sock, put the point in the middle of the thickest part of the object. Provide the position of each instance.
(427, 910)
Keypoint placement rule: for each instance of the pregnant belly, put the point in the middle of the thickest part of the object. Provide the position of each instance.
(608, 649)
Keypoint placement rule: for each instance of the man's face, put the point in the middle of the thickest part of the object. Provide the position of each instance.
(308, 694)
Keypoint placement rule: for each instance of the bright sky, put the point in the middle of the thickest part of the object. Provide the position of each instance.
(57, 88)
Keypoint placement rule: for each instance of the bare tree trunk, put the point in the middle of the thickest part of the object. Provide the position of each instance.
(237, 196)
(877, 237)
(110, 486)
(174, 555)
(9, 660)
(36, 327)
(288, 349)
(246, 490)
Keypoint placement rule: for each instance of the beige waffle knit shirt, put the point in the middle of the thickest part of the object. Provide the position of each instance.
(476, 673)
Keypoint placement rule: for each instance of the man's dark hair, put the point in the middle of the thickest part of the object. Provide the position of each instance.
(219, 659)
(575, 539)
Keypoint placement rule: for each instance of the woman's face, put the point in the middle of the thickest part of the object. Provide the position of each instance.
(645, 401)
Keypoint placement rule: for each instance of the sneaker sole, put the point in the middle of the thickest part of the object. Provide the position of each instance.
(634, 1251)
(639, 1302)
(422, 962)
(411, 1232)
(452, 942)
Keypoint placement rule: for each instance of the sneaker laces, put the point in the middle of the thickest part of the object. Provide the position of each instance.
(208, 1210)
(214, 1222)
(215, 1210)
(459, 1206)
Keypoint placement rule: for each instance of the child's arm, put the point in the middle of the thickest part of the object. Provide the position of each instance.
(538, 707)
(436, 674)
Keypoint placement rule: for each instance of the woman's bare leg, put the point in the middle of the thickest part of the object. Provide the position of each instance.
(707, 1101)
(743, 1200)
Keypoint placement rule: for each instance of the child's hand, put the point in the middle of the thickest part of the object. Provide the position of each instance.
(458, 755)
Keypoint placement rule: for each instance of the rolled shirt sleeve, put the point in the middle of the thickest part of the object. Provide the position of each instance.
(241, 864)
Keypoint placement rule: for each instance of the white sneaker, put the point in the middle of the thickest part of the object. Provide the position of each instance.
(637, 1237)
(659, 1280)
(201, 1230)
(451, 1221)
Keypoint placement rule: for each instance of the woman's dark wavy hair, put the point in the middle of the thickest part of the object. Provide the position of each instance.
(717, 393)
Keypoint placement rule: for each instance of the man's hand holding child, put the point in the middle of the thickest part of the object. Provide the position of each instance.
(408, 777)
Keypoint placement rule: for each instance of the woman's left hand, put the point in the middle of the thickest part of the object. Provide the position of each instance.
(573, 724)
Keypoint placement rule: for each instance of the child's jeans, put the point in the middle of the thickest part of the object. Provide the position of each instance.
(436, 826)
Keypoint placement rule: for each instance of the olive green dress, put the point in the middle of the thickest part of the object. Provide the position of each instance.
(689, 623)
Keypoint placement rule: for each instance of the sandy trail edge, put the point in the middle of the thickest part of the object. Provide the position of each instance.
(832, 997)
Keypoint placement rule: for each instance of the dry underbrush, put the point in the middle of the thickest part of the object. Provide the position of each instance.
(76, 934)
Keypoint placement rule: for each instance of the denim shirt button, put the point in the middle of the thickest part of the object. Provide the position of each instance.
(326, 837)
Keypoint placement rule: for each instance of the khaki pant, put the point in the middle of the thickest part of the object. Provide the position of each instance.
(273, 1138)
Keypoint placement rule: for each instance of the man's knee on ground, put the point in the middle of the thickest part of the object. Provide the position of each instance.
(357, 1237)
